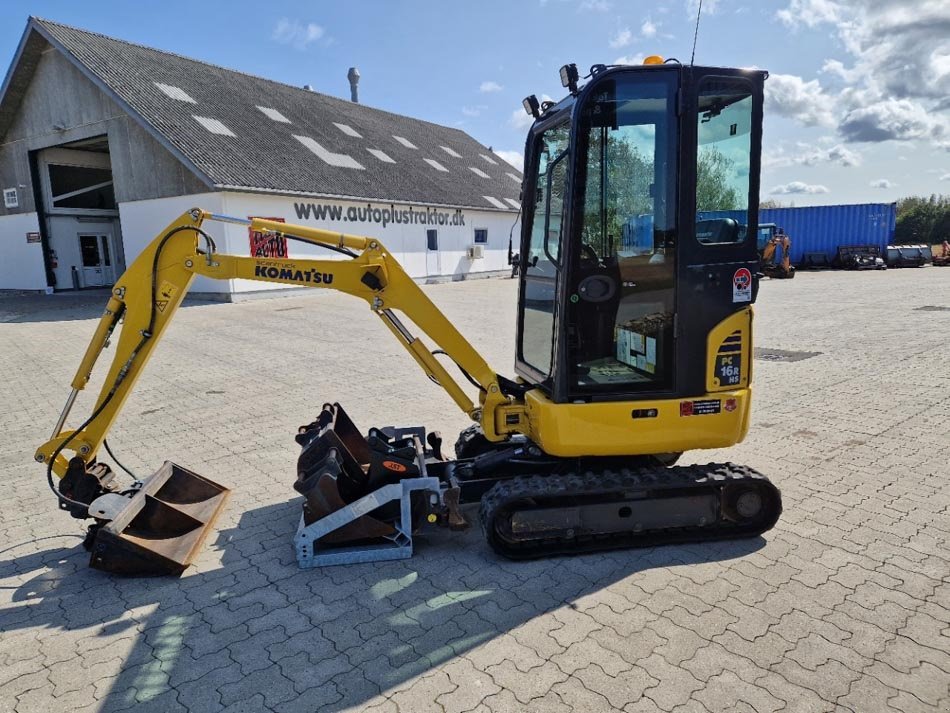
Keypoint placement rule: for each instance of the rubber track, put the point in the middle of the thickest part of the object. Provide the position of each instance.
(503, 499)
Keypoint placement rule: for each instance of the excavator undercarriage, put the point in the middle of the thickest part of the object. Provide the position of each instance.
(530, 505)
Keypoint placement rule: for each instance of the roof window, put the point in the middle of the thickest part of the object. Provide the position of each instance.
(175, 92)
(334, 159)
(214, 126)
(274, 114)
(348, 130)
(381, 155)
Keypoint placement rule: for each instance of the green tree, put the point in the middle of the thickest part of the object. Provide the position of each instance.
(922, 220)
(713, 189)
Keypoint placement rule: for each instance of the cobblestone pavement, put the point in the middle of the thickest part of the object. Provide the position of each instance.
(845, 605)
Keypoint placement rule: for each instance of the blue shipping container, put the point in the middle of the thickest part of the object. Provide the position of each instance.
(823, 228)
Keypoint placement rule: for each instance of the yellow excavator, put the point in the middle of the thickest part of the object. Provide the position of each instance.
(775, 264)
(634, 344)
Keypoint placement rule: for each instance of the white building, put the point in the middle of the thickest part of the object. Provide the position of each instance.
(103, 143)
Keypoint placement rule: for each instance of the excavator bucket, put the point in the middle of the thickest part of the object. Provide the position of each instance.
(162, 527)
(332, 471)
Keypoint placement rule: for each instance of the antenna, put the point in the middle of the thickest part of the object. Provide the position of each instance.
(699, 11)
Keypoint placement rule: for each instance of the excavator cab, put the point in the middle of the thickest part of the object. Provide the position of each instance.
(638, 239)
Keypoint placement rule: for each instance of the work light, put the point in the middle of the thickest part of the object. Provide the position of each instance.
(532, 106)
(569, 77)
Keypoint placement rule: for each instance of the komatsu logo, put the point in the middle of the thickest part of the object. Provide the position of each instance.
(288, 273)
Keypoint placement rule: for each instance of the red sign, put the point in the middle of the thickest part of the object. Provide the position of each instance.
(742, 285)
(742, 278)
(267, 244)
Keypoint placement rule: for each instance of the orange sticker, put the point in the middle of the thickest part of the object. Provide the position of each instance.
(393, 466)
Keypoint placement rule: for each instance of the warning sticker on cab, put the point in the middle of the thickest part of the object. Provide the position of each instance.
(703, 407)
(742, 285)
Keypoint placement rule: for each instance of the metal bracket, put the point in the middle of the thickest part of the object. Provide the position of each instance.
(399, 545)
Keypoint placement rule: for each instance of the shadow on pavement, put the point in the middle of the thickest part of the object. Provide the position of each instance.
(19, 308)
(256, 629)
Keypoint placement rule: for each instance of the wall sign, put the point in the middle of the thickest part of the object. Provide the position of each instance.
(32, 237)
(10, 198)
(264, 245)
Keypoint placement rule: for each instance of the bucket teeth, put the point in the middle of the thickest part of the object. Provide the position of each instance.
(163, 526)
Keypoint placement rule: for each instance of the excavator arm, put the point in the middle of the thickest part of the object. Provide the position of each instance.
(157, 525)
(149, 293)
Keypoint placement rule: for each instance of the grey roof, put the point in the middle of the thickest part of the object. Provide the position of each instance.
(216, 126)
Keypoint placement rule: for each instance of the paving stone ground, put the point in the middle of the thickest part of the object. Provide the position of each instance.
(845, 605)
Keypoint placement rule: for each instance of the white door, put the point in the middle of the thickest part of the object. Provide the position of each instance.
(432, 253)
(95, 250)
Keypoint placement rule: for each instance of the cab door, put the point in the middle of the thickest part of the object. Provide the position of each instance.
(718, 256)
(541, 252)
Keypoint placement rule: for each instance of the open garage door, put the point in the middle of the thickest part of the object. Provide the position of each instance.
(85, 248)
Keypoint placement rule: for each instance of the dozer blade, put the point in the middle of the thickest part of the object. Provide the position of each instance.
(163, 525)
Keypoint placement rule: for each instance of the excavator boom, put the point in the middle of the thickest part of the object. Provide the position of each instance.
(157, 525)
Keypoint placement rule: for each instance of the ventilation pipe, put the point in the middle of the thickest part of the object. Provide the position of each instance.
(354, 76)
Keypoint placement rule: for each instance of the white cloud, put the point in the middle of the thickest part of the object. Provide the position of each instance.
(514, 158)
(798, 187)
(792, 97)
(809, 13)
(893, 120)
(520, 119)
(648, 29)
(594, 6)
(297, 34)
(709, 7)
(897, 68)
(630, 59)
(836, 154)
(945, 177)
(823, 150)
(490, 86)
(621, 39)
(473, 110)
(882, 183)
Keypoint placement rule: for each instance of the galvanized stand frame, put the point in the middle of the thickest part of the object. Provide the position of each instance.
(311, 554)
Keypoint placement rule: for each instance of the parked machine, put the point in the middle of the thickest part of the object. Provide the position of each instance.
(908, 255)
(941, 257)
(775, 249)
(624, 359)
(859, 257)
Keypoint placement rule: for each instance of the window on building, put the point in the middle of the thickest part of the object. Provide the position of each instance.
(432, 239)
(81, 187)
(481, 236)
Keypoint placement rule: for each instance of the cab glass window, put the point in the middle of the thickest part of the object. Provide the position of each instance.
(723, 160)
(542, 259)
(621, 304)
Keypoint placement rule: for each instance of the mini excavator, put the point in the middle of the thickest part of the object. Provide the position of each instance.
(634, 344)
(773, 262)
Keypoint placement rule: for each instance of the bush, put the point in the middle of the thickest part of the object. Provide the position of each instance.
(923, 220)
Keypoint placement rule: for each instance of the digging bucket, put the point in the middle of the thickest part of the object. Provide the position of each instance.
(162, 527)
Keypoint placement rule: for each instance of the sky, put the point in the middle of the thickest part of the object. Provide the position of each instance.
(857, 102)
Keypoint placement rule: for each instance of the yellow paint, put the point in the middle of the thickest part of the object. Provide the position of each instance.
(609, 429)
(740, 322)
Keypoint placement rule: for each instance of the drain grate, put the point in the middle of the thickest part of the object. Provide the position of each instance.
(782, 355)
(932, 308)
